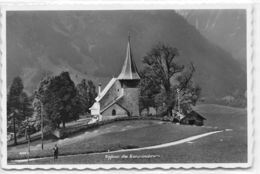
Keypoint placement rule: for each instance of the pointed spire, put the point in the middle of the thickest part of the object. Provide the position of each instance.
(129, 37)
(129, 70)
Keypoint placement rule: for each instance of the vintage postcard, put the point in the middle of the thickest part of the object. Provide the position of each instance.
(101, 86)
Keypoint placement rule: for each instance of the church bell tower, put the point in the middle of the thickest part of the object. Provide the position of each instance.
(129, 80)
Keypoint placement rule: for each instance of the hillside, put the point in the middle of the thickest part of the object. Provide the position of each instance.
(91, 44)
(226, 28)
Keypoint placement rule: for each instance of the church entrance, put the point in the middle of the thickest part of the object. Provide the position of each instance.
(113, 112)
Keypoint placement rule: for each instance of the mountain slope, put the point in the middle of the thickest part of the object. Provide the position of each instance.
(92, 44)
(226, 28)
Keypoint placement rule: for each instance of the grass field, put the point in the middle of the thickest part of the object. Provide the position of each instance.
(228, 146)
(118, 135)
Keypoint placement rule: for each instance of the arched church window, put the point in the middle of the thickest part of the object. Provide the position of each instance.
(113, 112)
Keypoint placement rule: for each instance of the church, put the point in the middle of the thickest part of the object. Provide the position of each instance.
(120, 97)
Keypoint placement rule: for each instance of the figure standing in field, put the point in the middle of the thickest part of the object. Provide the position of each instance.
(55, 152)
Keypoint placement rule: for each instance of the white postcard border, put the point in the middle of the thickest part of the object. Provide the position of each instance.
(91, 5)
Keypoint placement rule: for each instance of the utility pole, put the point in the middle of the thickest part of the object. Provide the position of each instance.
(15, 139)
(41, 124)
(28, 138)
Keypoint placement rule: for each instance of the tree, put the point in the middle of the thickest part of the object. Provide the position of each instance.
(161, 67)
(92, 93)
(82, 96)
(86, 95)
(26, 110)
(14, 116)
(159, 84)
(189, 92)
(36, 103)
(57, 95)
(148, 87)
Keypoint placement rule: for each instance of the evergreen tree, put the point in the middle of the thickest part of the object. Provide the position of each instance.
(14, 116)
(26, 110)
(26, 105)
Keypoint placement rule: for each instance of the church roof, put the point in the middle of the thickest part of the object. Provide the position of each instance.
(113, 102)
(129, 70)
(104, 91)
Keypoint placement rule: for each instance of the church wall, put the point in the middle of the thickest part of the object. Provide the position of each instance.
(111, 94)
(131, 101)
(107, 114)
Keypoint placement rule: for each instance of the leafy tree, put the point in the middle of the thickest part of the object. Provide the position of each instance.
(86, 95)
(57, 95)
(36, 103)
(189, 92)
(82, 96)
(148, 88)
(161, 65)
(159, 83)
(14, 115)
(76, 108)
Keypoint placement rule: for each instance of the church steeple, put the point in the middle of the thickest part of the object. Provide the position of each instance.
(129, 70)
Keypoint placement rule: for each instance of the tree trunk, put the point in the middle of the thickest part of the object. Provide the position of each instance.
(15, 140)
(29, 141)
(29, 136)
(63, 124)
(169, 101)
(169, 111)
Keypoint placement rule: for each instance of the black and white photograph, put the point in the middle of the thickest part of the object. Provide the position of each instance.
(127, 86)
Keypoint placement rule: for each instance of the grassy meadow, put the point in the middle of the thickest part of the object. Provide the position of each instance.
(227, 146)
